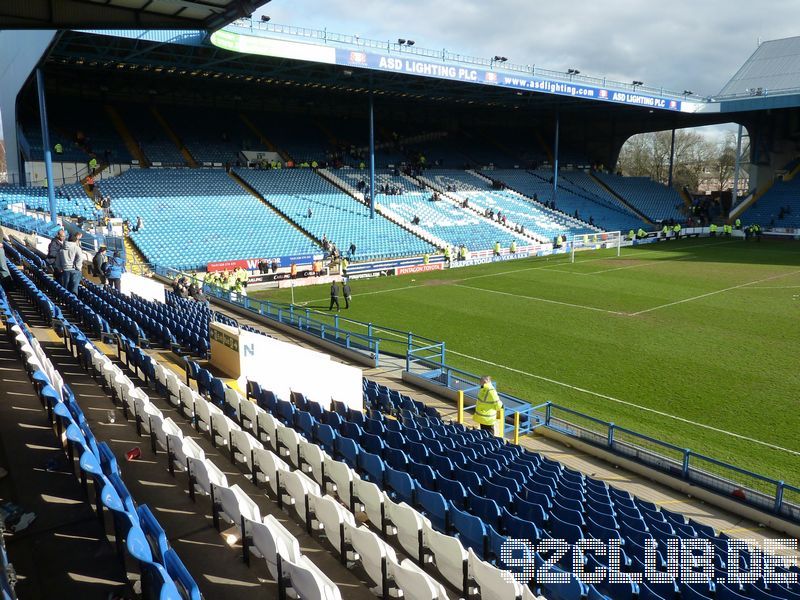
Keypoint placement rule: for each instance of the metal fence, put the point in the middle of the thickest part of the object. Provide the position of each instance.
(763, 493)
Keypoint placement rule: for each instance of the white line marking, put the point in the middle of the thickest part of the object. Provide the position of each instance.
(774, 287)
(625, 402)
(706, 295)
(407, 287)
(546, 300)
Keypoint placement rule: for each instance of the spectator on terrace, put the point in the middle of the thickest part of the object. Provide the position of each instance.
(591, 220)
(70, 262)
(310, 213)
(465, 204)
(139, 224)
(114, 270)
(352, 250)
(99, 263)
(274, 266)
(415, 220)
(53, 251)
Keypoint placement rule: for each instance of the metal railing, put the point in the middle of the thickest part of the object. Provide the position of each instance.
(519, 418)
(759, 491)
(327, 37)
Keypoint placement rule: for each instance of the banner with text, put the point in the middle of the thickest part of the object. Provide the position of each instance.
(251, 264)
(440, 70)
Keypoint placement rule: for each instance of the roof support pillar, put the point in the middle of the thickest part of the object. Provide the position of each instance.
(371, 160)
(555, 158)
(48, 159)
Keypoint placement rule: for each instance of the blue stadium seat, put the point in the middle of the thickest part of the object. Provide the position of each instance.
(469, 529)
(515, 527)
(372, 468)
(401, 485)
(486, 509)
(453, 491)
(347, 451)
(434, 506)
(422, 473)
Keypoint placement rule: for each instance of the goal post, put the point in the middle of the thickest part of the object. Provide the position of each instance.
(601, 240)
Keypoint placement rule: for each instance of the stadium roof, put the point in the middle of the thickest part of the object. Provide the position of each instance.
(774, 68)
(255, 57)
(150, 14)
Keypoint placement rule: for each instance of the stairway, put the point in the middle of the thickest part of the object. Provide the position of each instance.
(632, 208)
(125, 133)
(246, 186)
(453, 199)
(382, 210)
(135, 262)
(264, 139)
(187, 156)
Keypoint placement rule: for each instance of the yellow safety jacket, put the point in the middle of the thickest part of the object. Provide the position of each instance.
(488, 405)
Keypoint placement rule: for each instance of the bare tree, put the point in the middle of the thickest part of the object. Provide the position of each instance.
(648, 154)
(723, 162)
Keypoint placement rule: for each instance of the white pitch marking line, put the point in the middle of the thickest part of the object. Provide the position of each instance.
(626, 403)
(706, 295)
(546, 300)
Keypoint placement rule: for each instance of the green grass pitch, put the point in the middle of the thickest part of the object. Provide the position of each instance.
(693, 342)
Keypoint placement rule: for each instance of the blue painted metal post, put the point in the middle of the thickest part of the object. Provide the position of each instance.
(48, 159)
(611, 428)
(671, 158)
(779, 491)
(555, 159)
(686, 454)
(371, 160)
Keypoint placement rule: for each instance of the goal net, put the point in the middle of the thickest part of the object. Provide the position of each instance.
(606, 240)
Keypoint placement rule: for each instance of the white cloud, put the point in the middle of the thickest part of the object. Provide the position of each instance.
(682, 44)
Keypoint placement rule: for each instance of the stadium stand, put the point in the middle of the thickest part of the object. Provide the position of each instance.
(150, 136)
(657, 202)
(221, 138)
(443, 219)
(535, 217)
(187, 229)
(160, 575)
(28, 224)
(80, 127)
(297, 135)
(779, 206)
(71, 199)
(334, 214)
(461, 492)
(571, 199)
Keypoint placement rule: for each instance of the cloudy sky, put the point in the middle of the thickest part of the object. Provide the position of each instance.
(680, 44)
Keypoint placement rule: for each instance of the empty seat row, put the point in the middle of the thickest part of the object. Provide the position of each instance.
(162, 576)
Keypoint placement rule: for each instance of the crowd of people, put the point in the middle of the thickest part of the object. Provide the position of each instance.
(65, 258)
(183, 288)
(229, 281)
